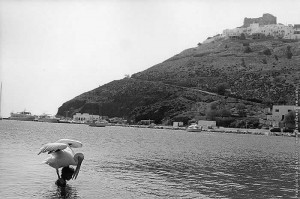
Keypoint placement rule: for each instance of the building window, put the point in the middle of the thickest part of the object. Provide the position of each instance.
(276, 110)
(289, 110)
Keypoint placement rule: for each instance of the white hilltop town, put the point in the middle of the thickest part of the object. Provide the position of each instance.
(260, 28)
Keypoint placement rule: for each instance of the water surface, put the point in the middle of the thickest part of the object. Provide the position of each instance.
(124, 162)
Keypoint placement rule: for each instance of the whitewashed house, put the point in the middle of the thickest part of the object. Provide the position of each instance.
(85, 117)
(278, 114)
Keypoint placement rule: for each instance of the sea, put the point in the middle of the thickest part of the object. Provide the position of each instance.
(128, 162)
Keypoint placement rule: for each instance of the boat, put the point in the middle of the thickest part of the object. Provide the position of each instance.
(194, 128)
(47, 118)
(99, 123)
(65, 121)
(22, 116)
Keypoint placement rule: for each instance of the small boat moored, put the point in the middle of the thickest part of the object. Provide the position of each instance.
(194, 128)
(47, 118)
(99, 123)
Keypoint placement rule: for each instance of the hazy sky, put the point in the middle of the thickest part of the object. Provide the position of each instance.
(54, 50)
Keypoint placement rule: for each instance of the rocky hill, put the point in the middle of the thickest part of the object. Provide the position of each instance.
(263, 70)
(255, 73)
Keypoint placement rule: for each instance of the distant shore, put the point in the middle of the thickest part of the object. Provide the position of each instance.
(218, 130)
(212, 130)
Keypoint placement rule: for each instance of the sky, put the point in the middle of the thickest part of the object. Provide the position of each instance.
(54, 50)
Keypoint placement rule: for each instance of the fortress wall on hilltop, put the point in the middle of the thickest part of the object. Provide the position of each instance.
(264, 20)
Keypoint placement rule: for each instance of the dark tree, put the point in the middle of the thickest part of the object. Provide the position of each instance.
(264, 61)
(247, 50)
(214, 106)
(289, 53)
(224, 113)
(243, 62)
(211, 115)
(243, 36)
(289, 119)
(221, 89)
(267, 52)
(241, 109)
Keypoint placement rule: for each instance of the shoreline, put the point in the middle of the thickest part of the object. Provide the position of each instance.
(212, 130)
(218, 130)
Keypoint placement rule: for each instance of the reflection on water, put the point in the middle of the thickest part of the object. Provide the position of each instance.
(146, 163)
(61, 192)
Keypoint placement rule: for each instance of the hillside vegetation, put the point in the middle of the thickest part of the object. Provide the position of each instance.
(255, 73)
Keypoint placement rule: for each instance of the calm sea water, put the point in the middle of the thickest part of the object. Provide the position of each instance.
(123, 162)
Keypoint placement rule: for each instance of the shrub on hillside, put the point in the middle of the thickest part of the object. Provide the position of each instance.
(221, 88)
(289, 120)
(237, 124)
(214, 106)
(247, 50)
(241, 109)
(264, 61)
(211, 114)
(225, 122)
(224, 113)
(267, 52)
(243, 62)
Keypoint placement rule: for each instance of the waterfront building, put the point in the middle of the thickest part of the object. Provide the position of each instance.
(206, 124)
(85, 117)
(278, 114)
(177, 124)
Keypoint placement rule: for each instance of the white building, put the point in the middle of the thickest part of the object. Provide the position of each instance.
(85, 117)
(296, 34)
(278, 114)
(207, 124)
(177, 124)
(274, 30)
(254, 28)
(277, 30)
(236, 32)
(289, 34)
